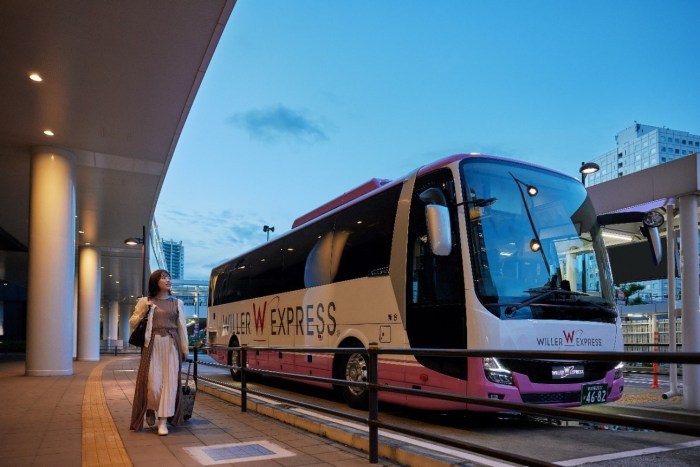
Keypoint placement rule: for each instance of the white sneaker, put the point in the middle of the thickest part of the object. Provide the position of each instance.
(162, 426)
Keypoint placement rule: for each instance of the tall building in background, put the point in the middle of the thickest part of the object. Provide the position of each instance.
(640, 147)
(174, 258)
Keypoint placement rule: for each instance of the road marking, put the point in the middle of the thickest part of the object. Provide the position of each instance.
(625, 454)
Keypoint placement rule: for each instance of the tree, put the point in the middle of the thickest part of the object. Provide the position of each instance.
(629, 290)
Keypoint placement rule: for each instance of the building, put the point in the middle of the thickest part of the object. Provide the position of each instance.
(194, 295)
(642, 146)
(174, 258)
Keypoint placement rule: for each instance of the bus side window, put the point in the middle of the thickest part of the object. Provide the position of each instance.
(324, 259)
(370, 226)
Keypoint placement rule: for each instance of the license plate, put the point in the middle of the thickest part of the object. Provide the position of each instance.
(594, 394)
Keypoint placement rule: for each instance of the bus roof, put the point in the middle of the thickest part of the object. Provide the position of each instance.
(340, 200)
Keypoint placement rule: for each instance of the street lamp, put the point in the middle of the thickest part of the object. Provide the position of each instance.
(133, 241)
(588, 168)
(267, 229)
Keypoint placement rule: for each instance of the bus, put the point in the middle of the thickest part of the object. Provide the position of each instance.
(468, 252)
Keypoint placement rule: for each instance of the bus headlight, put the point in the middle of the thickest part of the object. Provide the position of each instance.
(618, 370)
(496, 373)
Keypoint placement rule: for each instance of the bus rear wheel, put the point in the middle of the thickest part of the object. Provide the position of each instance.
(354, 368)
(234, 359)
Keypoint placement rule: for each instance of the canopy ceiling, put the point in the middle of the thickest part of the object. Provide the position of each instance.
(119, 79)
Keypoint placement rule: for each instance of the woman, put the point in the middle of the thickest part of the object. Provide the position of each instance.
(158, 381)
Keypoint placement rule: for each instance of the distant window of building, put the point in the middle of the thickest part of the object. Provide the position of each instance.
(663, 159)
(683, 142)
(677, 151)
(684, 152)
(663, 148)
(619, 164)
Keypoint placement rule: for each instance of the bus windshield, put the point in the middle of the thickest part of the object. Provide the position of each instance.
(536, 247)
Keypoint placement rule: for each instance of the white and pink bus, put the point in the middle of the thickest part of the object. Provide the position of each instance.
(470, 252)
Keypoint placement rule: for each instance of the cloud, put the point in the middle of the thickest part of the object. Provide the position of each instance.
(276, 123)
(214, 238)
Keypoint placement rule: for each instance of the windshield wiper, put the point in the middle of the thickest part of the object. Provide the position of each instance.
(542, 292)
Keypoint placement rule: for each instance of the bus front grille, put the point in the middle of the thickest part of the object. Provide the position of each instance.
(552, 398)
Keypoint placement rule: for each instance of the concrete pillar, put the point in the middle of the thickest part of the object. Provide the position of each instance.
(51, 263)
(89, 304)
(124, 315)
(113, 322)
(690, 311)
(671, 274)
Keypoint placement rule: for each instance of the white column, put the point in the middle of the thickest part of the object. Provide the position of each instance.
(113, 322)
(51, 263)
(89, 305)
(124, 315)
(671, 274)
(690, 294)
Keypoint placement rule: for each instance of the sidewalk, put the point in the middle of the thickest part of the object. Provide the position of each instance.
(83, 419)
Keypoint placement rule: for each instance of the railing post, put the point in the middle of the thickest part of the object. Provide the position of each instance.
(372, 377)
(194, 370)
(244, 391)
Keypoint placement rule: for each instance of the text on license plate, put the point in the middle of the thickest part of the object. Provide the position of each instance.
(594, 394)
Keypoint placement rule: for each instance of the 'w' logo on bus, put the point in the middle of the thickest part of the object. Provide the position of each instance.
(259, 317)
(568, 336)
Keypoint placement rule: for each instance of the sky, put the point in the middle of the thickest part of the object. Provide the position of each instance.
(305, 100)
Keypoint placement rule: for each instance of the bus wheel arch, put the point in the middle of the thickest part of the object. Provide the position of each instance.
(352, 367)
(234, 358)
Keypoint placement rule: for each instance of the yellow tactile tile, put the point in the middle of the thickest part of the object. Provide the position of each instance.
(102, 445)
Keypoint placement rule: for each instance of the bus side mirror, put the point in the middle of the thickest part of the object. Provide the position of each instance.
(652, 220)
(654, 239)
(439, 231)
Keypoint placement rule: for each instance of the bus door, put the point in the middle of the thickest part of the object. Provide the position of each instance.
(435, 302)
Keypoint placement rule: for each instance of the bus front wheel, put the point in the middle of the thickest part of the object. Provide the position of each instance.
(234, 359)
(354, 368)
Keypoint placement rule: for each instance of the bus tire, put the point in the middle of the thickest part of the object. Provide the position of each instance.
(353, 367)
(234, 358)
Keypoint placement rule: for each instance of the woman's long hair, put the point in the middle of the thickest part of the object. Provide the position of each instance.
(153, 288)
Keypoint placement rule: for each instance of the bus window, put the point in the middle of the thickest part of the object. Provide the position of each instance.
(369, 228)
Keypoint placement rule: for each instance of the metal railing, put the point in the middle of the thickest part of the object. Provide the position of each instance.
(373, 422)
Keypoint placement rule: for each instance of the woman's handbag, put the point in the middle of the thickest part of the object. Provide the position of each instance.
(138, 337)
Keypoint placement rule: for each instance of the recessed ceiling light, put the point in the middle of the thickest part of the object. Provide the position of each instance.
(48, 132)
(36, 77)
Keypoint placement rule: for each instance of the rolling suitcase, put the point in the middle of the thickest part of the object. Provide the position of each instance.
(189, 391)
